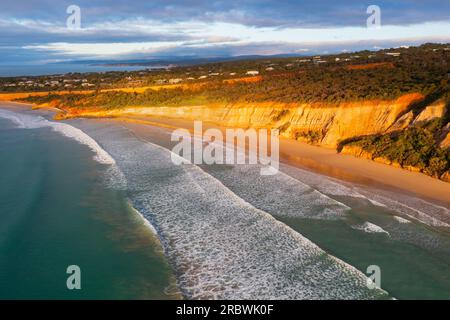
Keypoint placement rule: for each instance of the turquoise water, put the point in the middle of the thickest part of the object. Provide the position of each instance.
(60, 68)
(59, 207)
(407, 271)
(413, 258)
(56, 211)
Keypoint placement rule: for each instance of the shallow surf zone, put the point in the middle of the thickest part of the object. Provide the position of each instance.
(409, 206)
(371, 228)
(404, 218)
(220, 246)
(279, 194)
(26, 121)
(56, 211)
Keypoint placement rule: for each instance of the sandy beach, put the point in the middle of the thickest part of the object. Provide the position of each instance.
(296, 213)
(322, 160)
(329, 162)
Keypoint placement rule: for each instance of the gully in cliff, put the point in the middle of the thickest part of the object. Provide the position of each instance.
(210, 147)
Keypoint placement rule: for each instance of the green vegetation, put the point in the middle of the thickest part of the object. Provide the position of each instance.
(280, 115)
(383, 75)
(335, 79)
(313, 137)
(413, 147)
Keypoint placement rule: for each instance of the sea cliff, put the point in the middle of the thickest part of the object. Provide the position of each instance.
(335, 126)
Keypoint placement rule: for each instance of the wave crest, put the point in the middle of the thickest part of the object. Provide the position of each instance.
(34, 122)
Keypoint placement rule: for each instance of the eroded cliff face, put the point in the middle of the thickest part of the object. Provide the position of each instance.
(435, 110)
(323, 124)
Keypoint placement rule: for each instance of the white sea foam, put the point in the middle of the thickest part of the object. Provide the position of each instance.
(13, 117)
(224, 247)
(401, 220)
(327, 185)
(220, 245)
(144, 220)
(279, 194)
(416, 208)
(26, 121)
(404, 230)
(76, 134)
(370, 228)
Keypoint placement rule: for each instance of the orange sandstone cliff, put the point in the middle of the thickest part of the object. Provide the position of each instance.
(329, 123)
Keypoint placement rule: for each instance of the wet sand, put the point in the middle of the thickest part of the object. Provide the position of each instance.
(328, 162)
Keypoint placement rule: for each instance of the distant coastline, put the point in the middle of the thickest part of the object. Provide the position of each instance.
(52, 69)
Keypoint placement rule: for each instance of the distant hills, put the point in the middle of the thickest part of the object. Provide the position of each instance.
(177, 60)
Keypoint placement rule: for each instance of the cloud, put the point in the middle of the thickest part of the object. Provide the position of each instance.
(32, 29)
(103, 49)
(299, 13)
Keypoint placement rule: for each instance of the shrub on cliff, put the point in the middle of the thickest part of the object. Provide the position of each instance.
(415, 147)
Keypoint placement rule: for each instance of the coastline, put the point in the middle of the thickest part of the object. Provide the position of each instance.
(320, 160)
(331, 163)
(346, 239)
(53, 188)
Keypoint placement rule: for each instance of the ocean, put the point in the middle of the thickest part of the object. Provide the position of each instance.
(76, 192)
(56, 210)
(60, 68)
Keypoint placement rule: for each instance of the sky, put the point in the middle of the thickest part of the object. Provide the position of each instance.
(36, 32)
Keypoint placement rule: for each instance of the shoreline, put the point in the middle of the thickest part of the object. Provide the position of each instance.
(331, 163)
(321, 160)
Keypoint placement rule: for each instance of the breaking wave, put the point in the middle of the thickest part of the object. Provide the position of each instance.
(408, 206)
(401, 220)
(370, 228)
(25, 121)
(220, 245)
(278, 194)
